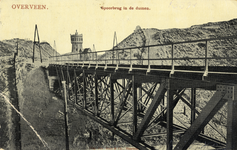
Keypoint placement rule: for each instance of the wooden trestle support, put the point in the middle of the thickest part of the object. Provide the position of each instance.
(146, 103)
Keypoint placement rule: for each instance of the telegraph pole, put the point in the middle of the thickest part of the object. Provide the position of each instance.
(36, 42)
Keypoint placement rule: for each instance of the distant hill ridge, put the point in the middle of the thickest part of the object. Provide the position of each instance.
(152, 36)
(25, 48)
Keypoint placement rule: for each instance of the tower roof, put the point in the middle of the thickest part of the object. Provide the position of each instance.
(76, 34)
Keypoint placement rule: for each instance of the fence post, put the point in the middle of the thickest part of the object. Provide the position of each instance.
(117, 60)
(206, 62)
(96, 61)
(130, 69)
(172, 61)
(149, 66)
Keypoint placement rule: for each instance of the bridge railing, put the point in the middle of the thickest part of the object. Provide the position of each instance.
(204, 52)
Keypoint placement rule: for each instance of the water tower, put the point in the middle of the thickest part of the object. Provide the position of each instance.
(77, 40)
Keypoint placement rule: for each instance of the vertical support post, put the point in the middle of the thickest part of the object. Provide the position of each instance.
(206, 62)
(75, 86)
(172, 55)
(124, 91)
(89, 58)
(170, 94)
(130, 69)
(96, 60)
(63, 79)
(112, 102)
(113, 55)
(68, 81)
(96, 95)
(232, 122)
(65, 114)
(140, 96)
(172, 61)
(206, 68)
(84, 89)
(149, 66)
(112, 98)
(193, 104)
(106, 63)
(59, 79)
(117, 53)
(134, 94)
(123, 82)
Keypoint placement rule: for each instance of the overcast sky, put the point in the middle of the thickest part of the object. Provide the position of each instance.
(60, 18)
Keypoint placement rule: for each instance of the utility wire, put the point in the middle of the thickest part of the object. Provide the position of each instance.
(7, 100)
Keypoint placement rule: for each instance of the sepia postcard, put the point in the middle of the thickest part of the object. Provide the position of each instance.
(118, 74)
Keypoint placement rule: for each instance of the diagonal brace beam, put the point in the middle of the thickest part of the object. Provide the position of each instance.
(122, 104)
(151, 110)
(214, 104)
(123, 135)
(163, 117)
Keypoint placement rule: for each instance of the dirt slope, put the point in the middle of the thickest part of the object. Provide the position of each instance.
(9, 77)
(152, 36)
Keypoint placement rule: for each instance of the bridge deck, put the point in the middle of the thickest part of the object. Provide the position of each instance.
(183, 76)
